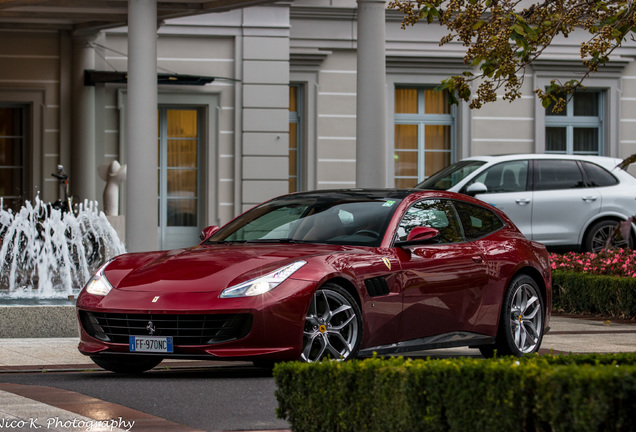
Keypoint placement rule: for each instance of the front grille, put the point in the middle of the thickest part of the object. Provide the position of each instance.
(200, 329)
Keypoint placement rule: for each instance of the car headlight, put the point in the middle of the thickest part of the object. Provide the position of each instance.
(262, 284)
(98, 284)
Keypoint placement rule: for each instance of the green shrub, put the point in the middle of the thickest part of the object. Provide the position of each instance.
(574, 292)
(565, 393)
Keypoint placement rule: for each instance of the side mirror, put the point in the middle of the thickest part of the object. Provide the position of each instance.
(422, 234)
(476, 189)
(207, 232)
(419, 235)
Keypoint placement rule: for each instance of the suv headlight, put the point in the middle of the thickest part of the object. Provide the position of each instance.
(262, 284)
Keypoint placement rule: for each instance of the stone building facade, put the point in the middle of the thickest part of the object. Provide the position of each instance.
(281, 112)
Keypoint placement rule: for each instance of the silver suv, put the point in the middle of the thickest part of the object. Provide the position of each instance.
(558, 200)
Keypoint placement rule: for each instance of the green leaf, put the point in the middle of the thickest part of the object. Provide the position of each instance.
(476, 61)
(479, 24)
(546, 103)
(432, 13)
(518, 28)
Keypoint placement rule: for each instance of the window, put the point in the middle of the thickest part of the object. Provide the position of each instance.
(424, 137)
(598, 176)
(578, 128)
(295, 129)
(434, 213)
(344, 220)
(505, 177)
(12, 148)
(557, 174)
(451, 175)
(477, 221)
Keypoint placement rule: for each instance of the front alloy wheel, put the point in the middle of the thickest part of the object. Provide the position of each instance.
(333, 325)
(521, 326)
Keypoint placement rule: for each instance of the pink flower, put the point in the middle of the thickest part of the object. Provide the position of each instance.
(619, 262)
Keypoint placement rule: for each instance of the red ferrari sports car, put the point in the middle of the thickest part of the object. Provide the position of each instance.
(338, 274)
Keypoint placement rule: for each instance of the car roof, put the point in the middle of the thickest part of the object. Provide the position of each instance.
(600, 160)
(361, 194)
(355, 193)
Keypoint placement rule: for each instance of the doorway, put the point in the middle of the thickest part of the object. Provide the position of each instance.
(179, 141)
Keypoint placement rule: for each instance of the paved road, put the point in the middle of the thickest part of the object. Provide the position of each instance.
(208, 399)
(196, 396)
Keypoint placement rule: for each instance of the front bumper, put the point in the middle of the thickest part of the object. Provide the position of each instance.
(265, 327)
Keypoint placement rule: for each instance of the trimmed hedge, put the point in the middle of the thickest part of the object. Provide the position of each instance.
(565, 393)
(594, 294)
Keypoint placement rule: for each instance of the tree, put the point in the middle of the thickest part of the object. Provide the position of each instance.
(503, 37)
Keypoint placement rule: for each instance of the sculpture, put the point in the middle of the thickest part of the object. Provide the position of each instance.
(114, 175)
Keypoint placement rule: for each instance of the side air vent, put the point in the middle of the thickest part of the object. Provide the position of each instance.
(377, 286)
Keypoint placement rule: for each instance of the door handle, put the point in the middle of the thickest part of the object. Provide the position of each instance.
(589, 198)
(522, 201)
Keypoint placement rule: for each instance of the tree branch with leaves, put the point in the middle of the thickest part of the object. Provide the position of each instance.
(503, 37)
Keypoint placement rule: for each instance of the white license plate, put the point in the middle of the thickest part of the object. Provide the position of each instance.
(153, 344)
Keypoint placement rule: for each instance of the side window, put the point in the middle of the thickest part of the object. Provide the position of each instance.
(477, 221)
(557, 174)
(505, 177)
(434, 213)
(598, 176)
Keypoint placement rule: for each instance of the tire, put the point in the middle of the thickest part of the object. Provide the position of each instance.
(264, 364)
(522, 320)
(333, 325)
(598, 234)
(126, 364)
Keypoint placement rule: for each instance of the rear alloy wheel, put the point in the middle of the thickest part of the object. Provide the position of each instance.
(333, 326)
(521, 324)
(598, 235)
(126, 364)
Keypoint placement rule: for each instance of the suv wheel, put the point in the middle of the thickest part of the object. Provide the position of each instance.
(599, 233)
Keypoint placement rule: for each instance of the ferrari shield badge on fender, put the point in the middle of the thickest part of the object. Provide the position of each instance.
(154, 300)
(387, 263)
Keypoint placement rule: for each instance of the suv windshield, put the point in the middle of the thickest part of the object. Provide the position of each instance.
(345, 220)
(451, 175)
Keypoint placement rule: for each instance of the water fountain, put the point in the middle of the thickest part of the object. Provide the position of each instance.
(46, 257)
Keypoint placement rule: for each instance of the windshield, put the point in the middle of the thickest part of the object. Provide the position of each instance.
(345, 220)
(451, 175)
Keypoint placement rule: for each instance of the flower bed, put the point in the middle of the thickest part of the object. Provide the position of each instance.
(601, 283)
(618, 262)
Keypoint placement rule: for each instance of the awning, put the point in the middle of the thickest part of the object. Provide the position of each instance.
(93, 77)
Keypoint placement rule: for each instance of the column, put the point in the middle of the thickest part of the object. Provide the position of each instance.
(371, 151)
(141, 127)
(265, 104)
(83, 167)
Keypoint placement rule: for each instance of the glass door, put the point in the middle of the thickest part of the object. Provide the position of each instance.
(179, 176)
(12, 147)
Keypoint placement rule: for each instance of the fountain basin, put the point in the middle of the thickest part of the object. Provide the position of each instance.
(37, 321)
